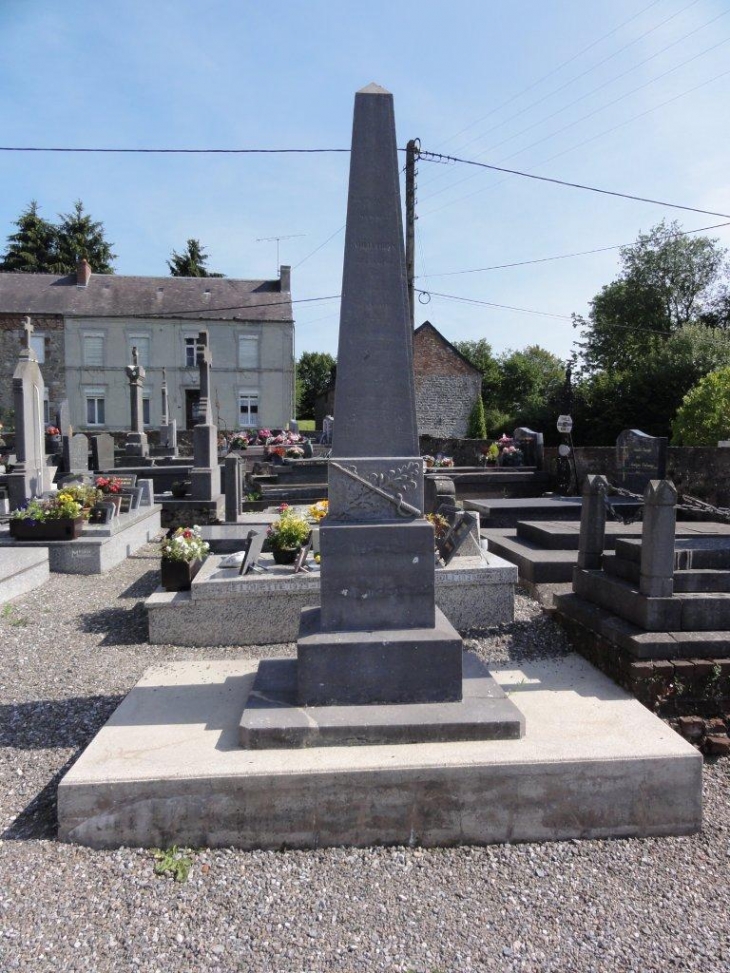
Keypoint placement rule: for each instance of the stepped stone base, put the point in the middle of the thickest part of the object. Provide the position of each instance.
(168, 769)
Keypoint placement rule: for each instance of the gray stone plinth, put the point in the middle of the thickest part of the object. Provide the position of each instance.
(272, 717)
(377, 576)
(100, 547)
(262, 609)
(381, 666)
(22, 571)
(168, 769)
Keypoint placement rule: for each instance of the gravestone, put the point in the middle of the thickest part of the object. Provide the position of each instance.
(532, 445)
(76, 453)
(639, 459)
(147, 492)
(328, 427)
(168, 427)
(31, 477)
(136, 444)
(205, 477)
(102, 452)
(63, 418)
(233, 485)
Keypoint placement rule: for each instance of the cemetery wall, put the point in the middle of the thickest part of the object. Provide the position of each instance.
(50, 328)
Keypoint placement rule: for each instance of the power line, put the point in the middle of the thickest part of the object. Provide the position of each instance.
(48, 148)
(551, 73)
(506, 307)
(317, 249)
(572, 148)
(236, 307)
(439, 157)
(560, 256)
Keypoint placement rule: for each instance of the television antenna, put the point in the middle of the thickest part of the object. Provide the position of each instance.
(270, 239)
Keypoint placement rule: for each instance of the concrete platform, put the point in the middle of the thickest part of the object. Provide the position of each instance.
(22, 570)
(168, 769)
(262, 609)
(100, 547)
(507, 512)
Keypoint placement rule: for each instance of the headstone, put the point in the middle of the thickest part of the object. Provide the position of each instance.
(234, 492)
(147, 492)
(76, 453)
(460, 532)
(254, 547)
(205, 477)
(437, 490)
(126, 479)
(639, 459)
(102, 452)
(328, 427)
(592, 522)
(366, 644)
(63, 418)
(136, 444)
(102, 512)
(532, 445)
(657, 539)
(30, 476)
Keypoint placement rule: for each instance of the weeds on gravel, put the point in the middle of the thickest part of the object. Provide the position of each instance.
(18, 621)
(172, 862)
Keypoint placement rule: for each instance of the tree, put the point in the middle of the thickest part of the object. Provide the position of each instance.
(704, 415)
(32, 250)
(78, 236)
(315, 371)
(477, 427)
(667, 280)
(191, 262)
(479, 353)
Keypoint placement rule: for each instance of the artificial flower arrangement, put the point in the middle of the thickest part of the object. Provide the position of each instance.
(294, 452)
(319, 510)
(62, 506)
(53, 431)
(440, 525)
(443, 461)
(291, 530)
(428, 460)
(239, 441)
(186, 544)
(109, 484)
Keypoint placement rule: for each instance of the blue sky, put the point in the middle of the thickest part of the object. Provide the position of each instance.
(597, 93)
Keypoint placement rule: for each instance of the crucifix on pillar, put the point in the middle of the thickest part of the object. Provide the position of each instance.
(136, 444)
(204, 361)
(28, 329)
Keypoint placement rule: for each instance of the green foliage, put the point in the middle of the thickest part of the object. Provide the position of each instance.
(315, 370)
(172, 862)
(476, 427)
(41, 247)
(191, 262)
(32, 250)
(704, 415)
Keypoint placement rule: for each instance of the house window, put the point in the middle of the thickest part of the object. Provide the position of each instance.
(95, 407)
(142, 343)
(146, 411)
(191, 352)
(248, 409)
(93, 350)
(38, 344)
(248, 351)
(46, 409)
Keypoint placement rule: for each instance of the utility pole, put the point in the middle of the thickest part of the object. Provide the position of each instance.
(412, 150)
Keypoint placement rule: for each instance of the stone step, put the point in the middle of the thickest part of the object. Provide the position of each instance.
(535, 564)
(695, 580)
(564, 536)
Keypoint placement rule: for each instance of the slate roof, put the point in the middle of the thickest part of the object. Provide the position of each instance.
(113, 295)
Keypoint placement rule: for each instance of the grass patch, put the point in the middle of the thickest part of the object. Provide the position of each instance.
(306, 425)
(172, 862)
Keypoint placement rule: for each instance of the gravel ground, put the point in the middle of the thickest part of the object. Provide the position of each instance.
(68, 654)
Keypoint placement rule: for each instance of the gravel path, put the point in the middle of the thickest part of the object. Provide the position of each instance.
(68, 654)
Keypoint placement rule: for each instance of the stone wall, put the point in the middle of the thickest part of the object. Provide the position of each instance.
(51, 327)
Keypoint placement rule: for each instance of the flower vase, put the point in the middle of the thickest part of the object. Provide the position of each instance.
(178, 575)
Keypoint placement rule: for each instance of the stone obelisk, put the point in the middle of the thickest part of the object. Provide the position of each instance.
(377, 637)
(205, 477)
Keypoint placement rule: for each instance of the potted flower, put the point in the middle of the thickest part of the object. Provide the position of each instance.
(319, 510)
(511, 456)
(445, 462)
(182, 555)
(111, 489)
(57, 518)
(295, 452)
(179, 488)
(53, 439)
(287, 535)
(239, 443)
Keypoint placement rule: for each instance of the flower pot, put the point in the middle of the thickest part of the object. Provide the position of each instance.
(60, 529)
(285, 555)
(180, 490)
(178, 575)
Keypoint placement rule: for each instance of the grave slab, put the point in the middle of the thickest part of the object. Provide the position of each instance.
(168, 769)
(21, 571)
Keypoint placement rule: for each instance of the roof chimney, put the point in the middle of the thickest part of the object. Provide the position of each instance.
(285, 278)
(83, 272)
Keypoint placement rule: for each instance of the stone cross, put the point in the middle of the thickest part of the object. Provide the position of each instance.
(28, 328)
(204, 360)
(136, 374)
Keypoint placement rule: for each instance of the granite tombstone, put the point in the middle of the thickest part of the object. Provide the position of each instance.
(102, 452)
(640, 458)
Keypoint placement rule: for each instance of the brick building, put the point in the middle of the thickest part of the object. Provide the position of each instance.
(447, 384)
(48, 344)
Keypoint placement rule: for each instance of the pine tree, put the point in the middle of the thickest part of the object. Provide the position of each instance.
(477, 426)
(32, 250)
(80, 236)
(191, 262)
